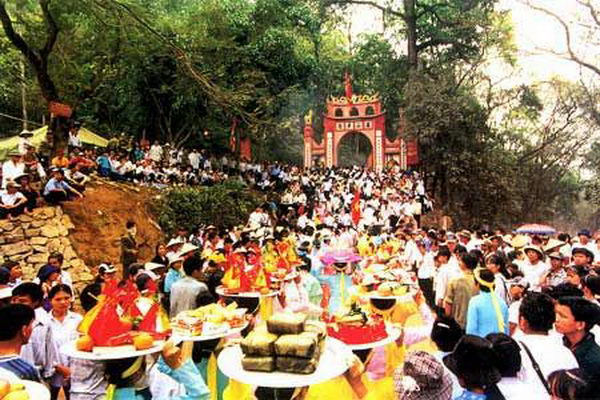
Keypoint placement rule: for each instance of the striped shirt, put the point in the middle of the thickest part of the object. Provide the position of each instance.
(19, 367)
(40, 351)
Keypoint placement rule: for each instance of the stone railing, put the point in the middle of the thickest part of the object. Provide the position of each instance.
(30, 239)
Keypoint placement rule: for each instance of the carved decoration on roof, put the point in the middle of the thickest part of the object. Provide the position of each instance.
(356, 99)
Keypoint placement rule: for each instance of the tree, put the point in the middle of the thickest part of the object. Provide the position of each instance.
(581, 35)
(451, 27)
(38, 58)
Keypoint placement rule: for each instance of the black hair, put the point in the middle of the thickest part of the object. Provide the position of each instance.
(60, 288)
(469, 260)
(134, 268)
(4, 276)
(446, 332)
(509, 354)
(538, 310)
(479, 255)
(114, 371)
(130, 224)
(444, 252)
(581, 270)
(306, 264)
(57, 255)
(570, 385)
(592, 282)
(563, 237)
(30, 289)
(562, 290)
(192, 264)
(487, 276)
(583, 310)
(141, 281)
(19, 315)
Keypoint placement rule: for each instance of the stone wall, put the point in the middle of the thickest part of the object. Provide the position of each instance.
(29, 240)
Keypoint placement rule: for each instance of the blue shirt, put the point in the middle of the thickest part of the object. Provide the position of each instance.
(172, 276)
(104, 162)
(335, 285)
(468, 395)
(21, 368)
(54, 184)
(481, 315)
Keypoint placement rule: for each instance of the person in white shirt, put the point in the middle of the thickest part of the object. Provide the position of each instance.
(509, 362)
(56, 260)
(12, 203)
(156, 152)
(534, 268)
(74, 140)
(294, 297)
(194, 158)
(445, 273)
(536, 319)
(40, 350)
(12, 168)
(63, 324)
(24, 141)
(425, 264)
(584, 236)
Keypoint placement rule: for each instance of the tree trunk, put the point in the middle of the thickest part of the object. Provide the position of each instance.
(410, 19)
(38, 59)
(23, 94)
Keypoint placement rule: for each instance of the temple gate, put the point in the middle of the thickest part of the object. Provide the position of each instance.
(349, 114)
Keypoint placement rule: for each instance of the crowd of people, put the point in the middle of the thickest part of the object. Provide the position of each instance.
(505, 315)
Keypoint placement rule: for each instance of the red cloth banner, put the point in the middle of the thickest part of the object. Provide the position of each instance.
(356, 207)
(59, 109)
(412, 153)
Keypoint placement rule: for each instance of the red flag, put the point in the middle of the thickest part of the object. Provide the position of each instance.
(356, 207)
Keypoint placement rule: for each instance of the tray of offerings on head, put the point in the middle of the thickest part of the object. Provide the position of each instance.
(287, 352)
(361, 331)
(209, 322)
(222, 291)
(20, 389)
(123, 324)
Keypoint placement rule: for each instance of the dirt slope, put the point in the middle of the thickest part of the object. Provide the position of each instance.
(100, 219)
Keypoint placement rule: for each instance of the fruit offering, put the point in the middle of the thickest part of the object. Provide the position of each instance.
(12, 391)
(356, 327)
(209, 320)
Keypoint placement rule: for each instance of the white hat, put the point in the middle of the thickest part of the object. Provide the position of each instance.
(186, 248)
(106, 268)
(173, 258)
(174, 242)
(151, 266)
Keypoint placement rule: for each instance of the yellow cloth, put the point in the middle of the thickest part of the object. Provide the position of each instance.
(211, 376)
(238, 391)
(399, 313)
(394, 356)
(266, 308)
(339, 388)
(382, 389)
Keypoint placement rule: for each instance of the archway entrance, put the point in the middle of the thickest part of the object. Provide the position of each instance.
(355, 148)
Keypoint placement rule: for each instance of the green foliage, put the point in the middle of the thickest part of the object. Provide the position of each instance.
(146, 67)
(223, 205)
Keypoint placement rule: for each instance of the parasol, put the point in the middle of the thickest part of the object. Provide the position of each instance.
(536, 229)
